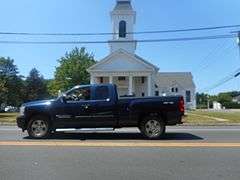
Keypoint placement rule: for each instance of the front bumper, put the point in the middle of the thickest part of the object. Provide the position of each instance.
(21, 122)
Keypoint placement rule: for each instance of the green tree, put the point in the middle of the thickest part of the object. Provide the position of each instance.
(11, 84)
(35, 86)
(202, 98)
(3, 90)
(224, 98)
(7, 67)
(72, 70)
(15, 93)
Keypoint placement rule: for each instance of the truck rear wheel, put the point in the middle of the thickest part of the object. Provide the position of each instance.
(152, 127)
(39, 127)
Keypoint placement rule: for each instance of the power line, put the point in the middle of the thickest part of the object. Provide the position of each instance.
(223, 52)
(205, 60)
(108, 33)
(226, 79)
(186, 30)
(124, 41)
(236, 75)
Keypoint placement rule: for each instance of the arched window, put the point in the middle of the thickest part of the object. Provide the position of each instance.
(122, 29)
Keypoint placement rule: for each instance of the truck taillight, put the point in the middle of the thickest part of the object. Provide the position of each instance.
(181, 105)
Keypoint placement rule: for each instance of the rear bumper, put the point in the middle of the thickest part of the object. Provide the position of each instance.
(174, 120)
(21, 122)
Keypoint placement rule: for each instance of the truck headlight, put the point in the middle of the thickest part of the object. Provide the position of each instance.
(22, 110)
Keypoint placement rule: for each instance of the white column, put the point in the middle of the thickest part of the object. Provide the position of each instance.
(149, 85)
(111, 79)
(92, 80)
(130, 86)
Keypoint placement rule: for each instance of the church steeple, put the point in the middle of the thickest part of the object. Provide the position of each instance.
(123, 20)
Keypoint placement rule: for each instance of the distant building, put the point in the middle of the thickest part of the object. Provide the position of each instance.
(217, 105)
(236, 99)
(132, 74)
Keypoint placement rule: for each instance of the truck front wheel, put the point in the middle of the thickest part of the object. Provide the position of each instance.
(152, 127)
(38, 127)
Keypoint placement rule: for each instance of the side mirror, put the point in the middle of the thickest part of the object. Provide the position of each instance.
(63, 99)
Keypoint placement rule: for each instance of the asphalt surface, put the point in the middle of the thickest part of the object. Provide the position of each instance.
(52, 161)
(229, 134)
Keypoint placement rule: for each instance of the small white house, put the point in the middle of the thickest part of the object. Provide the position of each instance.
(132, 74)
(217, 105)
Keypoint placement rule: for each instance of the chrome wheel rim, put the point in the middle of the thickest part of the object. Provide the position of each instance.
(39, 128)
(153, 128)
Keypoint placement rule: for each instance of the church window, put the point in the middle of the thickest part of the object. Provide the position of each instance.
(121, 78)
(143, 94)
(122, 29)
(143, 80)
(188, 96)
(176, 90)
(101, 79)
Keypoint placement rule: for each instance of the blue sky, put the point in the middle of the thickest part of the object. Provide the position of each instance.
(209, 61)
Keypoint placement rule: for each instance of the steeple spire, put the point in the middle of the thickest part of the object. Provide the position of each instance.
(123, 5)
(123, 19)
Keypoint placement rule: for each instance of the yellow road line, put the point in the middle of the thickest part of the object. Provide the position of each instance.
(116, 144)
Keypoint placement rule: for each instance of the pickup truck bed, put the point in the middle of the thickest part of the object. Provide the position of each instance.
(135, 109)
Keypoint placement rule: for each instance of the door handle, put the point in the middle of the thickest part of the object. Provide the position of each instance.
(86, 106)
(166, 103)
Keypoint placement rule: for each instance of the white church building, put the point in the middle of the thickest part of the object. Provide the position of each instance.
(133, 75)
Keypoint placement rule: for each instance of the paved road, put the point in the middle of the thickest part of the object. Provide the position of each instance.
(52, 161)
(229, 134)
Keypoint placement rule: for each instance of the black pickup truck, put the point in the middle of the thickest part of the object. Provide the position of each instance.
(98, 106)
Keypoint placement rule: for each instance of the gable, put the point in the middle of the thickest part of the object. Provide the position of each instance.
(182, 80)
(121, 61)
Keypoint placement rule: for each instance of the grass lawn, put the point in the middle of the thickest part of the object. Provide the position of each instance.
(8, 117)
(213, 117)
(192, 119)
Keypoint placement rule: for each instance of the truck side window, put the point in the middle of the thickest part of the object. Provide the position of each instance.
(101, 93)
(80, 94)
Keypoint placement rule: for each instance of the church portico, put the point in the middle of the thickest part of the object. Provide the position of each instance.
(128, 83)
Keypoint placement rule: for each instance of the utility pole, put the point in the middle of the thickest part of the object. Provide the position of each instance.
(208, 103)
(238, 41)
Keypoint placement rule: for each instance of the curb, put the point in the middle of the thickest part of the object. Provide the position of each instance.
(227, 124)
(8, 124)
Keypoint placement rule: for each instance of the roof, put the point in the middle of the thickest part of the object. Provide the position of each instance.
(181, 79)
(122, 52)
(123, 5)
(145, 61)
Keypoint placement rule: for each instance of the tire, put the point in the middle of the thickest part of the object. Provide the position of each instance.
(152, 127)
(39, 127)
